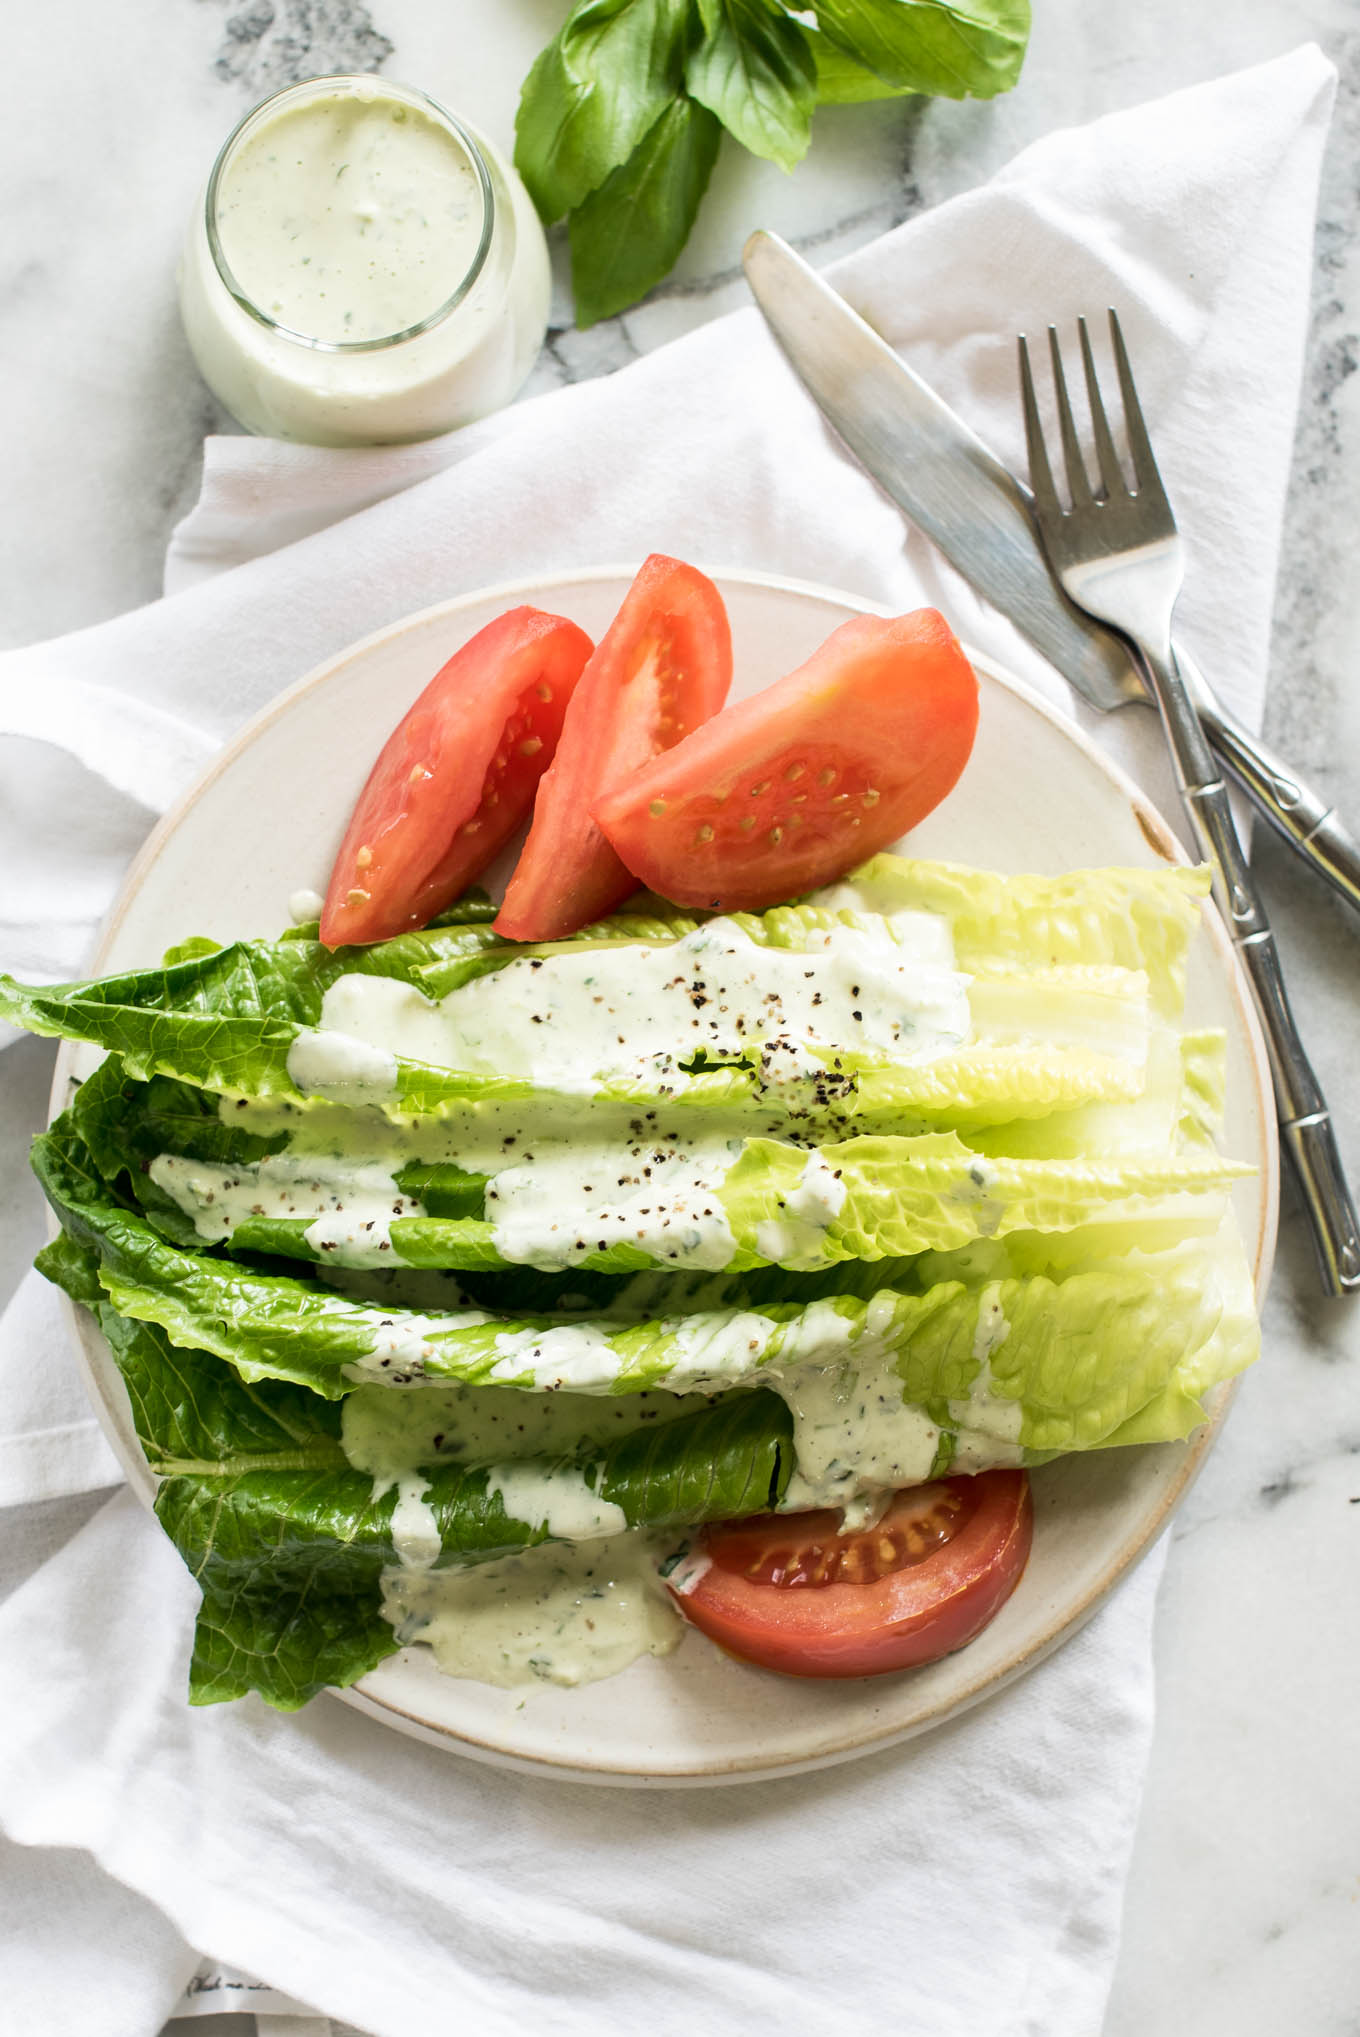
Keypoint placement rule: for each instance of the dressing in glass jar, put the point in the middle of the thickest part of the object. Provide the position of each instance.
(363, 270)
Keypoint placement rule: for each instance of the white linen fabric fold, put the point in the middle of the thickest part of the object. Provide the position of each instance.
(970, 1882)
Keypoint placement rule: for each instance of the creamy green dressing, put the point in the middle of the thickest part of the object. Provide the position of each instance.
(558, 1613)
(348, 215)
(810, 1209)
(659, 1193)
(988, 1423)
(363, 269)
(341, 1068)
(415, 1531)
(633, 1012)
(569, 1022)
(352, 1202)
(557, 1498)
(855, 1439)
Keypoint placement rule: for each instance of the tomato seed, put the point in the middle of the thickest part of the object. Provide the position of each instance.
(826, 776)
(657, 808)
(704, 834)
(776, 837)
(747, 821)
(757, 791)
(357, 897)
(531, 746)
(795, 771)
(363, 857)
(870, 798)
(543, 690)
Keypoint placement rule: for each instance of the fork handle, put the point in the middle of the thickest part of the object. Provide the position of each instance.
(1311, 827)
(1305, 1121)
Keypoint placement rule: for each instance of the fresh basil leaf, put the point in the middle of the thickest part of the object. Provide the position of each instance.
(603, 81)
(754, 70)
(629, 233)
(957, 49)
(842, 80)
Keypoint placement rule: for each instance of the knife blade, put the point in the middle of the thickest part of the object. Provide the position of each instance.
(955, 489)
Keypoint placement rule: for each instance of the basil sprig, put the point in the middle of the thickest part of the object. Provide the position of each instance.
(621, 116)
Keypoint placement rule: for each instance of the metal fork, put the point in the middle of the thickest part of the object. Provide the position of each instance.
(1116, 553)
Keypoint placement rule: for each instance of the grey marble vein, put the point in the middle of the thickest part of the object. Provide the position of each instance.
(271, 43)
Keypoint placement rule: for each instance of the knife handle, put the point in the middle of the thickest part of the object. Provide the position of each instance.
(1293, 809)
(1305, 1121)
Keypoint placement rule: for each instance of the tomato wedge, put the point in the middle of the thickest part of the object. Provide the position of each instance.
(801, 783)
(790, 1592)
(455, 778)
(663, 666)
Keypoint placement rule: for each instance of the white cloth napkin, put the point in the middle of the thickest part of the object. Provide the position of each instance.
(967, 1883)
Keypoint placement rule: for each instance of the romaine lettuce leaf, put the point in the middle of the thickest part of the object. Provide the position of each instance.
(870, 1198)
(1057, 1007)
(1080, 1351)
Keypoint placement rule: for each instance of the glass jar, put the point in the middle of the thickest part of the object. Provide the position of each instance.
(364, 268)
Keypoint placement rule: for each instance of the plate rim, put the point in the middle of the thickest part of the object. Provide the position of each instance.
(1161, 839)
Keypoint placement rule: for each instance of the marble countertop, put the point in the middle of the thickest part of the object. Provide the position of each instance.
(1243, 1912)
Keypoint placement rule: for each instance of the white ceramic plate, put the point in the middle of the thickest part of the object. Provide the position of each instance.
(1036, 795)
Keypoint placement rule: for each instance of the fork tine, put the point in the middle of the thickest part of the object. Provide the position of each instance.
(1107, 459)
(1140, 446)
(1078, 481)
(1040, 473)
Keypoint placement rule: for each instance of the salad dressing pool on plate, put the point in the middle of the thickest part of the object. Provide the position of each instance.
(563, 1613)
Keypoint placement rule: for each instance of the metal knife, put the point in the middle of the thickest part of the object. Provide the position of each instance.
(956, 490)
